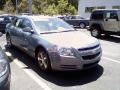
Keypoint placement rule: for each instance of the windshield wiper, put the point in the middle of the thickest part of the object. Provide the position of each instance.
(57, 31)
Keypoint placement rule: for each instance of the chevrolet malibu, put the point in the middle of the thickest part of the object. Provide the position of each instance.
(53, 43)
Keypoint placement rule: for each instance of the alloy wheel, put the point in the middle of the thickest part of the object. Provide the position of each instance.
(42, 58)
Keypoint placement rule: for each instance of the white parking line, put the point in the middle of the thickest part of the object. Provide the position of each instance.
(109, 59)
(30, 74)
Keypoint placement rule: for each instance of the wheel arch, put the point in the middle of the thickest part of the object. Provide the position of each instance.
(96, 26)
(40, 47)
(43, 48)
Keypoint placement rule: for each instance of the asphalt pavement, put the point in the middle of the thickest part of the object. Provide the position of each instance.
(26, 75)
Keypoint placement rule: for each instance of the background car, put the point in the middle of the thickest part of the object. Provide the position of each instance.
(4, 20)
(4, 71)
(53, 43)
(105, 21)
(76, 21)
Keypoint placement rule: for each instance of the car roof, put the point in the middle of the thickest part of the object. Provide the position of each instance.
(106, 10)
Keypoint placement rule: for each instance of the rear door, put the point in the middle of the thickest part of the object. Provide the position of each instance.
(111, 21)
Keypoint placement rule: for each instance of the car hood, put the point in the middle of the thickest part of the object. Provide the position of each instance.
(75, 39)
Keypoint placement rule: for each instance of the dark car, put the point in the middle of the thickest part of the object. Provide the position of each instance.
(4, 20)
(4, 71)
(53, 43)
(76, 21)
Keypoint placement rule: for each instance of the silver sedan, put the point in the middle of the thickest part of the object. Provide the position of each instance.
(53, 43)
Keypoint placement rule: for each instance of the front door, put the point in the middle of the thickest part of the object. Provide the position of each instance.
(26, 36)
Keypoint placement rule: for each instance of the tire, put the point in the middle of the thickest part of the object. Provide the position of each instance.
(9, 43)
(43, 60)
(82, 25)
(95, 32)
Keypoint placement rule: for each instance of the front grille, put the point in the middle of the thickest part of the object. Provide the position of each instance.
(89, 57)
(88, 48)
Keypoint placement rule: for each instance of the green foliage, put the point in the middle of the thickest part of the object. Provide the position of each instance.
(71, 10)
(23, 6)
(38, 6)
(2, 2)
(64, 7)
(9, 7)
(50, 10)
(47, 7)
(74, 3)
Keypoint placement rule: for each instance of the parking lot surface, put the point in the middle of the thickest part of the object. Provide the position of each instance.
(26, 75)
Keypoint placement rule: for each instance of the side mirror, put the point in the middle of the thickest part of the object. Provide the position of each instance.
(28, 29)
(1, 34)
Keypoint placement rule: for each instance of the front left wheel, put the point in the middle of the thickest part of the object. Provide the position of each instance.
(43, 60)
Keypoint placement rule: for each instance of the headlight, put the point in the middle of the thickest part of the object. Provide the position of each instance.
(65, 52)
(3, 67)
(62, 51)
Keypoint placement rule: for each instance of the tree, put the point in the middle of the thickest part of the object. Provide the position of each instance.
(50, 10)
(74, 3)
(48, 7)
(38, 6)
(9, 7)
(23, 6)
(64, 7)
(2, 3)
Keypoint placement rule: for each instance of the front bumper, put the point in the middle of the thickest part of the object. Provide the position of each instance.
(84, 60)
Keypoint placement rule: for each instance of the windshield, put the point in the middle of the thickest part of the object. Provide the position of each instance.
(52, 25)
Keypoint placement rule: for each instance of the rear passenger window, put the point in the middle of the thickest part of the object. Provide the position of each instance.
(111, 15)
(97, 16)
